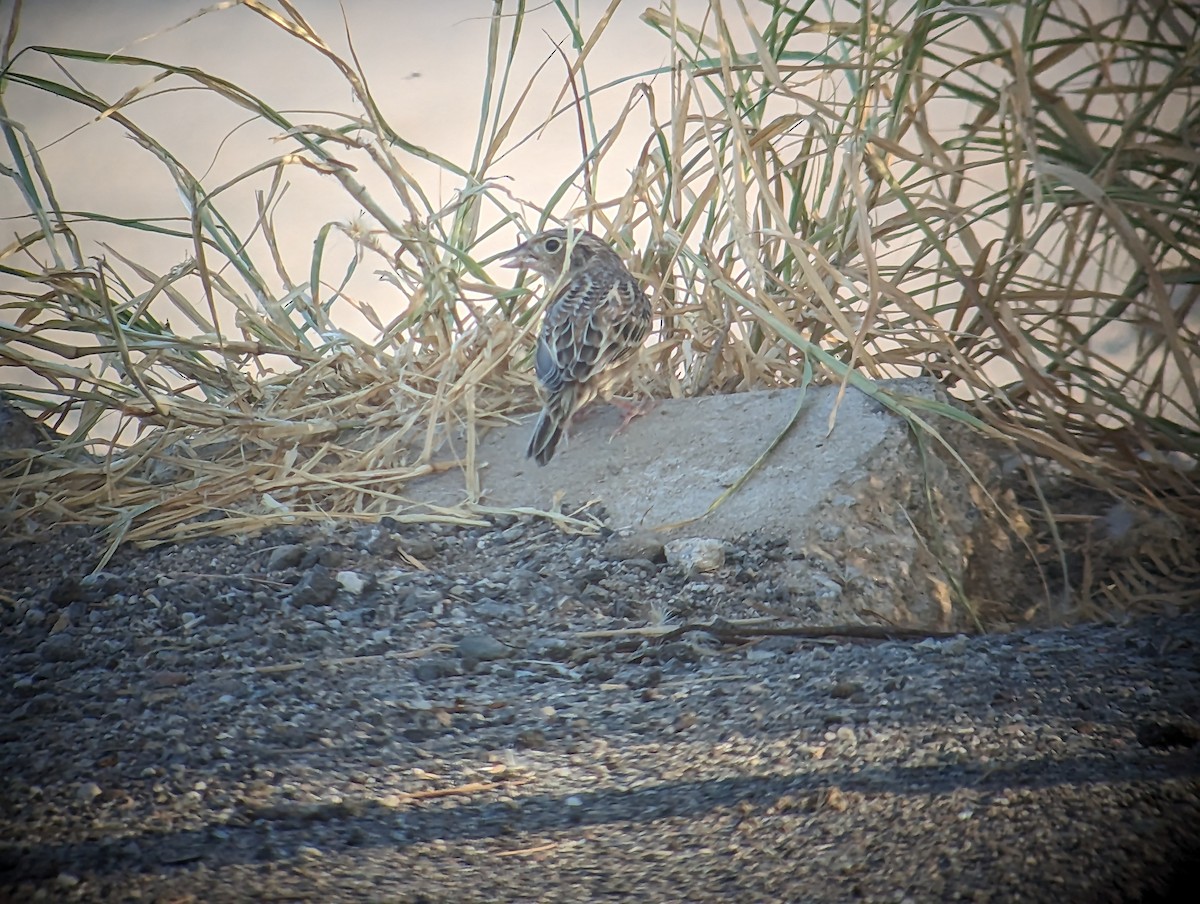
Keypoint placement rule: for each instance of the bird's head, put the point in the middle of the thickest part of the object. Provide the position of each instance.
(546, 252)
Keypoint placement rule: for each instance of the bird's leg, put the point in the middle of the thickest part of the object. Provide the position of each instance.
(630, 410)
(585, 412)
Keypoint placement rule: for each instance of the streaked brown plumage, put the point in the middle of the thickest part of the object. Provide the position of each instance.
(596, 320)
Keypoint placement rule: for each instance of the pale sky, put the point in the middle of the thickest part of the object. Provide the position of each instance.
(425, 63)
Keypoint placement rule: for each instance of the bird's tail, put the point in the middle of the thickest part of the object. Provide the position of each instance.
(550, 427)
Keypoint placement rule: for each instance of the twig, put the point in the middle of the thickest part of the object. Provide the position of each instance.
(536, 849)
(734, 630)
(347, 660)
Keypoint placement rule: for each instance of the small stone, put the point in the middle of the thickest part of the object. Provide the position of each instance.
(282, 557)
(353, 582)
(696, 554)
(638, 545)
(642, 565)
(420, 548)
(422, 598)
(170, 679)
(956, 646)
(88, 792)
(101, 585)
(836, 800)
(830, 532)
(652, 678)
(66, 591)
(516, 532)
(321, 554)
(317, 588)
(492, 608)
(845, 689)
(554, 649)
(435, 669)
(823, 589)
(63, 647)
(482, 648)
(531, 739)
(376, 540)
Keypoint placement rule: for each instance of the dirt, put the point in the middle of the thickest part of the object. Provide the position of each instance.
(509, 712)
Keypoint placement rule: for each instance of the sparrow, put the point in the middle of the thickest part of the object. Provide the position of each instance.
(596, 319)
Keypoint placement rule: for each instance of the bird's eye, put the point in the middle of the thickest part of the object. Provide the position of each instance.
(552, 245)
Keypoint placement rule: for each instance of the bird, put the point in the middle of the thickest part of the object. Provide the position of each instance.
(596, 319)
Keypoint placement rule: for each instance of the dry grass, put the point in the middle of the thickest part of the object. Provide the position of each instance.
(1005, 200)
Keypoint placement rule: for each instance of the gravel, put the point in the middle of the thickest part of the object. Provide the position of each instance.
(309, 715)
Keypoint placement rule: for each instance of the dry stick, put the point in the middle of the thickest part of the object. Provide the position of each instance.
(470, 788)
(345, 660)
(522, 852)
(732, 630)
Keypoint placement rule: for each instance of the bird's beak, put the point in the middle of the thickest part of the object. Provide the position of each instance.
(519, 258)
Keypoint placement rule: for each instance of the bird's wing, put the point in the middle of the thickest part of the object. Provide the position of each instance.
(597, 318)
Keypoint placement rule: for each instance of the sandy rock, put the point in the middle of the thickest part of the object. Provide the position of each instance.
(696, 554)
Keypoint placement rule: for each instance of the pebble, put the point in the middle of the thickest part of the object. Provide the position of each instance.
(62, 647)
(823, 589)
(640, 545)
(66, 591)
(88, 792)
(845, 689)
(696, 554)
(283, 557)
(482, 648)
(322, 554)
(436, 669)
(420, 548)
(318, 587)
(353, 582)
(377, 541)
(422, 598)
(531, 739)
(555, 649)
(491, 608)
